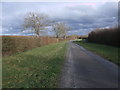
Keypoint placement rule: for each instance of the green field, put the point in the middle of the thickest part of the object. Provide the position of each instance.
(36, 68)
(108, 52)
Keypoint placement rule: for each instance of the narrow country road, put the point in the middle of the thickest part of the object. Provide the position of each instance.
(84, 69)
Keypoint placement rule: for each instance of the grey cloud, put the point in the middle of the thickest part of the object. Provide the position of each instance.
(82, 18)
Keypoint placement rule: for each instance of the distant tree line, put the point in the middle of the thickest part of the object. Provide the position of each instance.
(105, 36)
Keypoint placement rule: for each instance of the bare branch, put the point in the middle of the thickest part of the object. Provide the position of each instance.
(36, 21)
(60, 29)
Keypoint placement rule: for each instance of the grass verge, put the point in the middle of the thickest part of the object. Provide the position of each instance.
(36, 68)
(108, 52)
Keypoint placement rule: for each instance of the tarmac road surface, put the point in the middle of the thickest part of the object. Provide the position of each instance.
(84, 69)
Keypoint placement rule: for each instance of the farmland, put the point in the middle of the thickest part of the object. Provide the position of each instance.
(59, 44)
(38, 62)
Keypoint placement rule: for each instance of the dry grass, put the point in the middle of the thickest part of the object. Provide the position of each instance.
(14, 44)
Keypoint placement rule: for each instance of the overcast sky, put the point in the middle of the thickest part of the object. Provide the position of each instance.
(81, 16)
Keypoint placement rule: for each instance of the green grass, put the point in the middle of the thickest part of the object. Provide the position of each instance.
(108, 52)
(36, 68)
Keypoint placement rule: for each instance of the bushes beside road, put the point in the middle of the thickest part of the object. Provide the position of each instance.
(14, 44)
(105, 36)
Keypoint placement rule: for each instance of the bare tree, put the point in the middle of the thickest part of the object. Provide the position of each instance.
(60, 29)
(36, 22)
